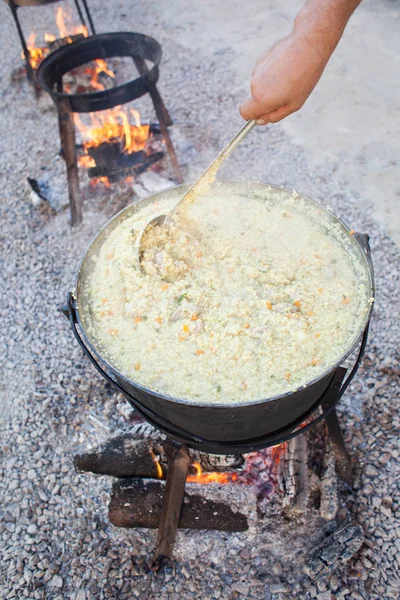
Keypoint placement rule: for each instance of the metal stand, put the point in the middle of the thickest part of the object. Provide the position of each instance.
(14, 5)
(178, 467)
(68, 146)
(162, 116)
(344, 464)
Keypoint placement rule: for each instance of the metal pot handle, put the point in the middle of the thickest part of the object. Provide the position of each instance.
(363, 241)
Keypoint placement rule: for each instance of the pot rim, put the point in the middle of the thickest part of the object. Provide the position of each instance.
(199, 404)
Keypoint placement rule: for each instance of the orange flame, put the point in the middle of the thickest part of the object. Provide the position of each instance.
(277, 452)
(37, 53)
(158, 466)
(111, 125)
(201, 477)
(61, 18)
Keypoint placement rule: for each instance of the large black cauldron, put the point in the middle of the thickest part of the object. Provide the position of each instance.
(240, 427)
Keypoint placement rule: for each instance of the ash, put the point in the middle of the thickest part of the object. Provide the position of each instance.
(56, 540)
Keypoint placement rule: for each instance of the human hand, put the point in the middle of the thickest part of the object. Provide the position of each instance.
(283, 78)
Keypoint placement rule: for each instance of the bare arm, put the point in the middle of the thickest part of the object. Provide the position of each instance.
(286, 74)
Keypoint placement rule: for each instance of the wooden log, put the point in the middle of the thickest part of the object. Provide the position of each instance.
(138, 502)
(295, 474)
(131, 454)
(125, 456)
(329, 504)
(334, 550)
(219, 463)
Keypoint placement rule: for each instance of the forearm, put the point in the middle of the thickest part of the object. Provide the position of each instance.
(322, 22)
(286, 74)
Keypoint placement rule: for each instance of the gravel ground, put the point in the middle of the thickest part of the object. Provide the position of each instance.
(56, 540)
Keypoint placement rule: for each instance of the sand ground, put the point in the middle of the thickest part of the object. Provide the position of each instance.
(352, 119)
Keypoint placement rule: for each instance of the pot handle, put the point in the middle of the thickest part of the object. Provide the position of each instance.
(363, 241)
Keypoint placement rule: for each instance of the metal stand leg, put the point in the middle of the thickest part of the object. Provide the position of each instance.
(178, 467)
(163, 118)
(89, 16)
(68, 144)
(29, 70)
(344, 464)
(80, 13)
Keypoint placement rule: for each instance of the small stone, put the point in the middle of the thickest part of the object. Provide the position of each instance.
(31, 529)
(370, 471)
(386, 510)
(241, 588)
(56, 582)
(278, 588)
(277, 568)
(80, 595)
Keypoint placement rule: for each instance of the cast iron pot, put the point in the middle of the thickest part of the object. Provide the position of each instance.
(237, 426)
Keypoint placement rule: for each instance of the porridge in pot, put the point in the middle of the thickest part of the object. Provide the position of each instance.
(244, 299)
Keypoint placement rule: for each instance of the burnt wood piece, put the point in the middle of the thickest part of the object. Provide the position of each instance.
(329, 504)
(130, 455)
(113, 163)
(178, 467)
(55, 44)
(296, 481)
(123, 456)
(137, 503)
(218, 463)
(67, 136)
(334, 550)
(344, 464)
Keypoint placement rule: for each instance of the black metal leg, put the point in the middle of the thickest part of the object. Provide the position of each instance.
(29, 70)
(344, 464)
(162, 116)
(80, 13)
(89, 16)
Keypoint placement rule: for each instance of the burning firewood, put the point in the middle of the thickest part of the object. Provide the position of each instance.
(131, 454)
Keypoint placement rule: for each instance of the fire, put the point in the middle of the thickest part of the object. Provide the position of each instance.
(158, 466)
(38, 53)
(277, 452)
(113, 124)
(61, 18)
(201, 477)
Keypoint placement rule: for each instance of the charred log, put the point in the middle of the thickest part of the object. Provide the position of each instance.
(336, 549)
(126, 455)
(137, 503)
(113, 163)
(59, 43)
(295, 474)
(329, 485)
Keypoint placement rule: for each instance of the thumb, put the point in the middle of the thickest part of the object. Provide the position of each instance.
(250, 109)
